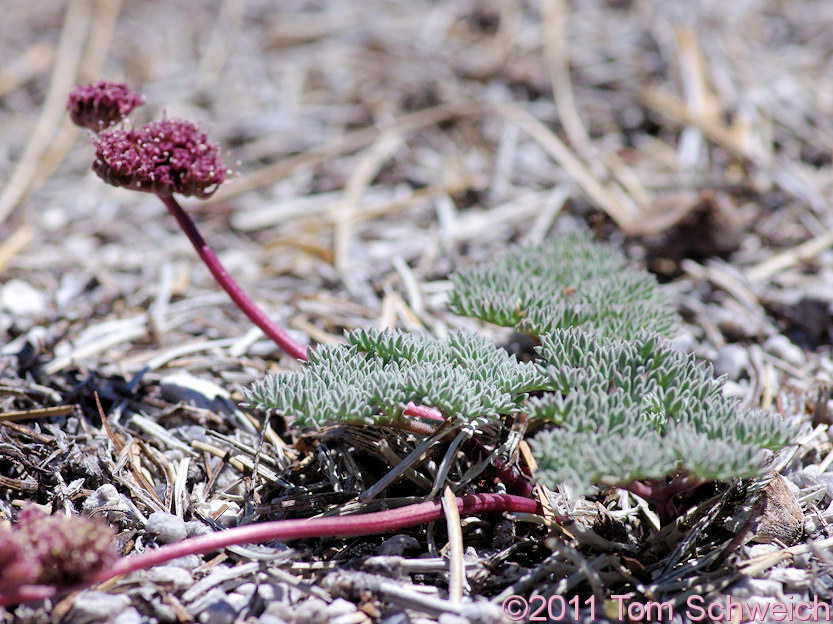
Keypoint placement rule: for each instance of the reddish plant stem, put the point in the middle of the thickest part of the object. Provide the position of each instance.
(341, 526)
(255, 314)
(661, 494)
(288, 344)
(423, 411)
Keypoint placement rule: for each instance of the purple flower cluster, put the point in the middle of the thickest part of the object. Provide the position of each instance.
(53, 550)
(162, 157)
(101, 104)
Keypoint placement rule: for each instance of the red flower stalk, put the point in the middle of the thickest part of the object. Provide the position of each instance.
(285, 530)
(101, 104)
(166, 157)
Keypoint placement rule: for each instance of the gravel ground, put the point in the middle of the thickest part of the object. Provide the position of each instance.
(376, 146)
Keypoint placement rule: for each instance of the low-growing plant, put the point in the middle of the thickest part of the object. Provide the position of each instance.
(618, 405)
(614, 402)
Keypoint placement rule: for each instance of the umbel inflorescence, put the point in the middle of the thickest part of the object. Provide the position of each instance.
(60, 550)
(620, 406)
(162, 157)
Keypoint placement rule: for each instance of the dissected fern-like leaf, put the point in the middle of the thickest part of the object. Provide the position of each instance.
(568, 281)
(373, 377)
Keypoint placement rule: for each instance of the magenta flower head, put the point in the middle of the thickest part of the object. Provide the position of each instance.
(101, 104)
(53, 550)
(162, 157)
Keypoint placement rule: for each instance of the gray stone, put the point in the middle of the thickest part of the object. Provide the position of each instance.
(166, 527)
(757, 550)
(117, 506)
(189, 562)
(397, 545)
(311, 611)
(685, 341)
(270, 592)
(129, 616)
(184, 387)
(96, 606)
(340, 606)
(239, 601)
(280, 610)
(396, 618)
(218, 612)
(194, 528)
(450, 618)
(748, 588)
(732, 360)
(246, 589)
(781, 347)
(21, 298)
(170, 575)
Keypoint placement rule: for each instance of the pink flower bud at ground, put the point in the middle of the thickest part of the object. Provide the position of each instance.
(53, 550)
(101, 104)
(162, 157)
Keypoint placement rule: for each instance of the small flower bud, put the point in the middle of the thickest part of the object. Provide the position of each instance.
(101, 104)
(162, 157)
(53, 550)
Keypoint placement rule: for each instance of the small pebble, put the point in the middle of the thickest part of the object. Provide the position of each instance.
(781, 347)
(270, 619)
(189, 562)
(194, 528)
(749, 587)
(184, 387)
(732, 360)
(762, 549)
(130, 616)
(684, 341)
(96, 606)
(170, 575)
(311, 611)
(21, 298)
(239, 601)
(271, 592)
(450, 618)
(280, 611)
(166, 527)
(340, 606)
(396, 618)
(219, 612)
(246, 589)
(812, 524)
(398, 544)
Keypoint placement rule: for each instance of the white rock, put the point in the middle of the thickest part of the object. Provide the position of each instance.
(194, 528)
(748, 588)
(166, 527)
(218, 612)
(19, 297)
(781, 347)
(130, 616)
(311, 611)
(762, 549)
(171, 575)
(732, 360)
(792, 578)
(96, 606)
(340, 606)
